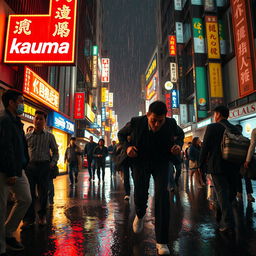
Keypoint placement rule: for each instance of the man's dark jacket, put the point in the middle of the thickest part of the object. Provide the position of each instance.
(154, 147)
(11, 134)
(89, 149)
(211, 150)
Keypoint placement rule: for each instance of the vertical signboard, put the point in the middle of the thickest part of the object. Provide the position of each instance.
(178, 5)
(242, 47)
(103, 94)
(110, 99)
(168, 102)
(198, 34)
(172, 46)
(179, 32)
(79, 99)
(43, 38)
(175, 99)
(222, 36)
(197, 2)
(215, 75)
(95, 66)
(173, 72)
(183, 114)
(212, 34)
(209, 5)
(103, 114)
(105, 63)
(201, 92)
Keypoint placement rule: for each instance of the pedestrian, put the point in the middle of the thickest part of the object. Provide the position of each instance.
(248, 182)
(223, 172)
(127, 169)
(186, 155)
(194, 153)
(43, 153)
(156, 140)
(111, 152)
(88, 151)
(73, 158)
(100, 154)
(13, 160)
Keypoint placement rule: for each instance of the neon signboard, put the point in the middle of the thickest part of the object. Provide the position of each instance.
(44, 38)
(105, 62)
(40, 90)
(79, 105)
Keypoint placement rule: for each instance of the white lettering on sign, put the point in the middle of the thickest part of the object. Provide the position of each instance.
(242, 111)
(70, 126)
(38, 48)
(60, 122)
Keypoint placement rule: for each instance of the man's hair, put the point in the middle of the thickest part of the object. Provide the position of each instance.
(194, 141)
(10, 95)
(73, 138)
(39, 112)
(158, 107)
(101, 140)
(223, 110)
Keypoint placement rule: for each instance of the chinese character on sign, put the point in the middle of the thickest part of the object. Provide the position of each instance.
(242, 48)
(61, 29)
(63, 13)
(241, 33)
(244, 63)
(239, 11)
(23, 27)
(245, 76)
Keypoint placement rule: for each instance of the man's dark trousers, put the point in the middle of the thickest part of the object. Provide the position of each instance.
(159, 171)
(38, 174)
(91, 166)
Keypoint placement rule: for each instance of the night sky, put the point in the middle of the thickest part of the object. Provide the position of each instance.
(129, 29)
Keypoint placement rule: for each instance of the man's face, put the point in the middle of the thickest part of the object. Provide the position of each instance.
(155, 122)
(72, 142)
(101, 143)
(91, 139)
(14, 103)
(39, 122)
(113, 143)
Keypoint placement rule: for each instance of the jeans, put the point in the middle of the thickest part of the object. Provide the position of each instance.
(38, 174)
(73, 170)
(23, 200)
(91, 166)
(160, 173)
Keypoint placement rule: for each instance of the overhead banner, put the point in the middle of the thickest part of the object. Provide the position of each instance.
(79, 100)
(39, 89)
(198, 34)
(172, 46)
(43, 38)
(105, 64)
(216, 86)
(242, 47)
(212, 35)
(201, 92)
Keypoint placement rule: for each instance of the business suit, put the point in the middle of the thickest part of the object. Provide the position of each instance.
(223, 173)
(153, 158)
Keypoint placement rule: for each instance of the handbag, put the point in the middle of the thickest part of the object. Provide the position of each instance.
(251, 171)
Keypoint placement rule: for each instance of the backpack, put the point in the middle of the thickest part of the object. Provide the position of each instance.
(234, 145)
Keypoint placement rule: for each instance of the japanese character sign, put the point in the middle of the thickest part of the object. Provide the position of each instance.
(198, 34)
(242, 47)
(212, 33)
(79, 107)
(43, 38)
(39, 89)
(105, 70)
(172, 46)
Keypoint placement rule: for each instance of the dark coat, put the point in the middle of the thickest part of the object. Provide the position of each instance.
(100, 151)
(211, 150)
(11, 135)
(169, 134)
(194, 153)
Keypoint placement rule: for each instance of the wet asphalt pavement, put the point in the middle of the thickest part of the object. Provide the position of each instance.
(92, 218)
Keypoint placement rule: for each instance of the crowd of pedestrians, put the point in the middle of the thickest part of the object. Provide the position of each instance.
(149, 145)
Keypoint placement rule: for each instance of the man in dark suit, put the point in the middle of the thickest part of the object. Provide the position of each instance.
(223, 173)
(156, 140)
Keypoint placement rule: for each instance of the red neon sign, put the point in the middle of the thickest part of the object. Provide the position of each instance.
(105, 70)
(46, 38)
(172, 46)
(40, 90)
(79, 105)
(168, 102)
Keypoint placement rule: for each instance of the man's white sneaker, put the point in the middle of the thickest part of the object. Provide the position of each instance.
(162, 249)
(137, 225)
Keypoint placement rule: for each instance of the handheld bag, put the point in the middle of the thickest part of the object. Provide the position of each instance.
(234, 146)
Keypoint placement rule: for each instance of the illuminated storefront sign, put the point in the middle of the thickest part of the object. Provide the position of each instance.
(173, 72)
(89, 113)
(103, 114)
(94, 71)
(87, 135)
(175, 99)
(151, 89)
(179, 32)
(103, 94)
(172, 46)
(59, 121)
(43, 38)
(204, 123)
(168, 85)
(178, 5)
(29, 112)
(105, 70)
(198, 34)
(212, 34)
(151, 69)
(243, 111)
(242, 47)
(215, 75)
(40, 90)
(111, 99)
(168, 102)
(79, 105)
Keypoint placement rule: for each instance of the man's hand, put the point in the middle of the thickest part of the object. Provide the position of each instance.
(132, 151)
(175, 150)
(246, 165)
(11, 181)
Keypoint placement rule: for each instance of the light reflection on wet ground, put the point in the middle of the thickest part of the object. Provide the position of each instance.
(92, 218)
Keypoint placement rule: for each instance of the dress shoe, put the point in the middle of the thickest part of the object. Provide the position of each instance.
(138, 225)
